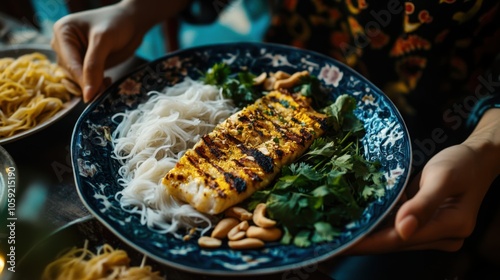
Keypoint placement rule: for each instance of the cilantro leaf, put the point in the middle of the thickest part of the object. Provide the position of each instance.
(341, 116)
(323, 232)
(217, 75)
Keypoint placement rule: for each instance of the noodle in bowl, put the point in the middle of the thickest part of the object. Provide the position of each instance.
(34, 91)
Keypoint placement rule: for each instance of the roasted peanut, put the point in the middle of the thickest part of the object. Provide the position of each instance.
(264, 234)
(239, 213)
(236, 235)
(223, 227)
(247, 243)
(209, 242)
(243, 226)
(238, 232)
(291, 81)
(259, 217)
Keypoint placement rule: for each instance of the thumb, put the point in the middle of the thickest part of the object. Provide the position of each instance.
(417, 211)
(93, 68)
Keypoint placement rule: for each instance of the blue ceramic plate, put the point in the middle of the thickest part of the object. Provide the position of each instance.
(96, 172)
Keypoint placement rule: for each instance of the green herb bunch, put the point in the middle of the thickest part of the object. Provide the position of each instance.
(328, 186)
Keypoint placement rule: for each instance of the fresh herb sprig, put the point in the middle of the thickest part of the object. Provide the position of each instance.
(328, 186)
(238, 87)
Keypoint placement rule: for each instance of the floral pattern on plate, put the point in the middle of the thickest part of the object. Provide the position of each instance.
(96, 175)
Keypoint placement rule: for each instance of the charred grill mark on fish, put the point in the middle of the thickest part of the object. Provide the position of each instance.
(235, 182)
(245, 153)
(265, 162)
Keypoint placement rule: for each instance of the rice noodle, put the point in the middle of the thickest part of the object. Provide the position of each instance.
(148, 142)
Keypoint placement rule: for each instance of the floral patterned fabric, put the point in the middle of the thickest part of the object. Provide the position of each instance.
(415, 51)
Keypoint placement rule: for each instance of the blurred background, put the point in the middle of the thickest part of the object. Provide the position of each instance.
(242, 20)
(30, 22)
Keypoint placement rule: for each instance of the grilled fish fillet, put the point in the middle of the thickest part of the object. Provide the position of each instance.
(244, 153)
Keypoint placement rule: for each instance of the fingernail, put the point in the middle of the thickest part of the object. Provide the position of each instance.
(87, 91)
(407, 227)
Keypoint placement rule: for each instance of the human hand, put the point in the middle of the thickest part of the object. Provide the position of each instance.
(449, 193)
(89, 42)
(443, 211)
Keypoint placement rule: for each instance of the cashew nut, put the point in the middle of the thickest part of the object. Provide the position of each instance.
(239, 213)
(280, 75)
(209, 242)
(247, 243)
(260, 79)
(259, 217)
(223, 227)
(290, 81)
(264, 234)
(269, 83)
(238, 232)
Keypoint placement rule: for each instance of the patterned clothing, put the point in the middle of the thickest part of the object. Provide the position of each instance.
(414, 51)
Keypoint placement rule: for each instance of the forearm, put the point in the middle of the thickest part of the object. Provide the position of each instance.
(485, 139)
(147, 13)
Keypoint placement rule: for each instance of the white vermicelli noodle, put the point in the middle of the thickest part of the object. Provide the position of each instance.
(148, 142)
